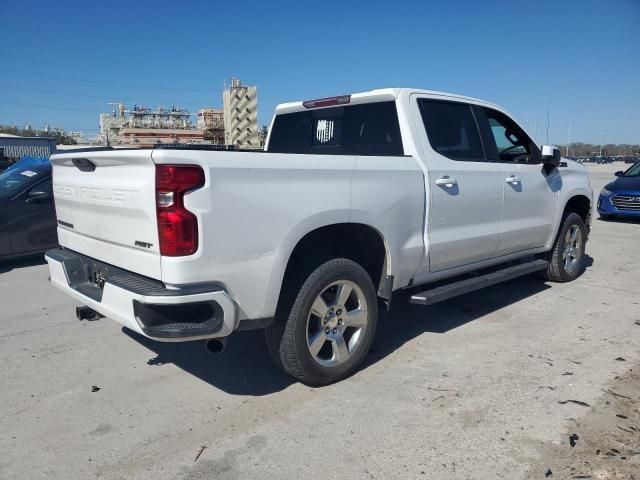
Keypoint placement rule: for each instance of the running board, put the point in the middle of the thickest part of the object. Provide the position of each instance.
(467, 285)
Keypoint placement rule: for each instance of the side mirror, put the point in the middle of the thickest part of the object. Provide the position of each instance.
(550, 155)
(619, 174)
(38, 196)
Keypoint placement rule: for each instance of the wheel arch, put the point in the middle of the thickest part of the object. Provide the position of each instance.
(359, 242)
(580, 204)
(578, 201)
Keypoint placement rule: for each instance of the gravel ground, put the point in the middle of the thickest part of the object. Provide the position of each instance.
(471, 388)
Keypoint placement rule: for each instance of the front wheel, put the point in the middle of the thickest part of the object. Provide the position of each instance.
(330, 328)
(566, 259)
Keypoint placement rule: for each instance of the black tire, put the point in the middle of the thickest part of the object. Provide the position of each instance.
(557, 271)
(287, 337)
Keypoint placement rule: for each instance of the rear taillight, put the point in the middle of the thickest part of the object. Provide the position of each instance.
(177, 226)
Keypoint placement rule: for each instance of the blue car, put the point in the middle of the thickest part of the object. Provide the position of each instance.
(622, 196)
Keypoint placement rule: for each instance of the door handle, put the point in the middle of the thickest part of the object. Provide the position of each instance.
(446, 182)
(513, 179)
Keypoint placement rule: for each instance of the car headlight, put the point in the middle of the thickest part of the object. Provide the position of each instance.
(606, 193)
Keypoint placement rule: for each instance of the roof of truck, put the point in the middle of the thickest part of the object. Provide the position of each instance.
(379, 94)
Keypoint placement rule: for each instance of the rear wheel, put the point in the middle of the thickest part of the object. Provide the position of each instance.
(330, 327)
(566, 259)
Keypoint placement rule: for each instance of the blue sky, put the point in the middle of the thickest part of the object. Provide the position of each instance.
(61, 62)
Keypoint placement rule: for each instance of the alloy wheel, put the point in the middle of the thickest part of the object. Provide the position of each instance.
(336, 323)
(572, 252)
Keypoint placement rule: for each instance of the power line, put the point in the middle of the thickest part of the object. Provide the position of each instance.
(20, 104)
(66, 128)
(103, 82)
(267, 106)
(130, 85)
(98, 97)
(54, 107)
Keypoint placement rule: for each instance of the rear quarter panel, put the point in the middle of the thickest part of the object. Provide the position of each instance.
(253, 210)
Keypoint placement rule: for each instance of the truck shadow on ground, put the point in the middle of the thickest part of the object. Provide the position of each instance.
(245, 367)
(8, 265)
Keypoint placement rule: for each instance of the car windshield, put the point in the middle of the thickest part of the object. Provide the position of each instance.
(17, 178)
(634, 171)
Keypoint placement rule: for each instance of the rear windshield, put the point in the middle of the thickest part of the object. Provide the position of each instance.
(367, 129)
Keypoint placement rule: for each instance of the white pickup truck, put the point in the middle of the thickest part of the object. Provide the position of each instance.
(354, 197)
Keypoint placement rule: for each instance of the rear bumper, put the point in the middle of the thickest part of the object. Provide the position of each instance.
(141, 304)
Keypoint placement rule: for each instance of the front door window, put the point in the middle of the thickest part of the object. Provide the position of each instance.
(512, 144)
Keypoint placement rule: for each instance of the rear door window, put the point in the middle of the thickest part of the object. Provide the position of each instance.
(452, 130)
(372, 129)
(367, 129)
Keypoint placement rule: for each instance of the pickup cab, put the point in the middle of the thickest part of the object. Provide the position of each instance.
(353, 198)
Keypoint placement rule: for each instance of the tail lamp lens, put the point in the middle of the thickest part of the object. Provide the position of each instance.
(177, 226)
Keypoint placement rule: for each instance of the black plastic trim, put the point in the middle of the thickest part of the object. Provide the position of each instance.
(180, 320)
(80, 270)
(84, 164)
(65, 224)
(205, 147)
(466, 285)
(254, 324)
(385, 291)
(385, 288)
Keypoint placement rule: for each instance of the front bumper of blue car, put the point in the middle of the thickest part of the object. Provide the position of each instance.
(624, 204)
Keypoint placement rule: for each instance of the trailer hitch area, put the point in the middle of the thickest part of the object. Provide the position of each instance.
(86, 313)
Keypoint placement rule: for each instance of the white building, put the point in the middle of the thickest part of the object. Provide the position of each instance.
(110, 127)
(240, 105)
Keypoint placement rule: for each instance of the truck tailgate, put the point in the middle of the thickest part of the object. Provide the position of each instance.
(106, 207)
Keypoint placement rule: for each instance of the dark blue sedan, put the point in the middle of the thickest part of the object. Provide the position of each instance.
(27, 215)
(622, 196)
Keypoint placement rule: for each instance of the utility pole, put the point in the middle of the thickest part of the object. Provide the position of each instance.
(548, 111)
(568, 140)
(601, 144)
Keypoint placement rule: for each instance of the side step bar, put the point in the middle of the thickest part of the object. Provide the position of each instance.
(467, 285)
